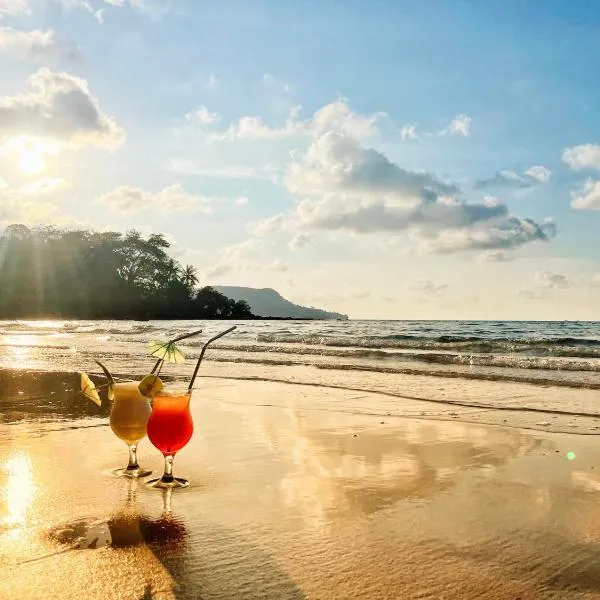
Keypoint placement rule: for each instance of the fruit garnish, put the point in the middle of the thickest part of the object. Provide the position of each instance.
(88, 389)
(166, 351)
(151, 385)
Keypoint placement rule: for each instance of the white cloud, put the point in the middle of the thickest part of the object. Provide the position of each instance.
(15, 207)
(234, 258)
(202, 116)
(584, 156)
(275, 85)
(300, 240)
(495, 256)
(409, 132)
(44, 186)
(427, 287)
(184, 166)
(213, 81)
(532, 177)
(542, 174)
(59, 106)
(278, 266)
(548, 280)
(14, 7)
(37, 44)
(356, 189)
(588, 198)
(268, 226)
(336, 116)
(460, 125)
(127, 200)
(241, 200)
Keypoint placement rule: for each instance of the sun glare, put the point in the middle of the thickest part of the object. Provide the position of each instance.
(19, 490)
(30, 153)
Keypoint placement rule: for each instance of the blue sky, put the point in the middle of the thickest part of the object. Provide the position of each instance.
(386, 159)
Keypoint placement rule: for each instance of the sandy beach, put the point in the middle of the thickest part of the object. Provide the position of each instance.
(293, 496)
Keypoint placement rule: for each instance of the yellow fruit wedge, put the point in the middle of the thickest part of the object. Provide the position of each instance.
(151, 385)
(88, 389)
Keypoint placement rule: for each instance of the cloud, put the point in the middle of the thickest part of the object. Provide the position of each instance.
(495, 256)
(59, 106)
(14, 7)
(460, 125)
(588, 198)
(585, 156)
(273, 84)
(300, 240)
(268, 226)
(44, 186)
(255, 128)
(202, 116)
(349, 187)
(539, 173)
(212, 82)
(128, 200)
(187, 167)
(427, 287)
(409, 132)
(595, 282)
(234, 258)
(277, 266)
(241, 200)
(549, 281)
(37, 44)
(336, 116)
(15, 207)
(533, 176)
(544, 283)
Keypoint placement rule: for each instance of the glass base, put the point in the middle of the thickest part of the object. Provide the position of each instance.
(133, 473)
(173, 483)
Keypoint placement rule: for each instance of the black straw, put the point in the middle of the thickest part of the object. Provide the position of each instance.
(219, 335)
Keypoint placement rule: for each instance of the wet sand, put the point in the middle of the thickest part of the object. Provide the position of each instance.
(295, 496)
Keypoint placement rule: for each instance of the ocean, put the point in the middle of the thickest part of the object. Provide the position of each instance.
(562, 354)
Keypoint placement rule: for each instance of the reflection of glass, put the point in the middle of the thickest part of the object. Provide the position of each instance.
(128, 420)
(170, 428)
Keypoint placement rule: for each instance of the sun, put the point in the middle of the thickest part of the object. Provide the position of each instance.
(32, 163)
(30, 153)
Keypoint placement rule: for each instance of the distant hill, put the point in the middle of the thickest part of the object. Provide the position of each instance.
(269, 303)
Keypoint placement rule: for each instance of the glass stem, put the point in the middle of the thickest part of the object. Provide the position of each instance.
(168, 474)
(133, 463)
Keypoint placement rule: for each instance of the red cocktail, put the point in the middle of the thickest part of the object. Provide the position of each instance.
(170, 428)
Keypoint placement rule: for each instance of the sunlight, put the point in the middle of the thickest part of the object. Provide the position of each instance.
(19, 490)
(30, 153)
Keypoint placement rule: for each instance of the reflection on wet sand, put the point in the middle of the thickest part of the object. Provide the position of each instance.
(300, 503)
(337, 471)
(43, 396)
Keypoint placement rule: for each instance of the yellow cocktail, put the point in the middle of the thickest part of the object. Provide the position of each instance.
(128, 420)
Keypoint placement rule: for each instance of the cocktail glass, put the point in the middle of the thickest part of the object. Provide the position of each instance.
(128, 420)
(170, 428)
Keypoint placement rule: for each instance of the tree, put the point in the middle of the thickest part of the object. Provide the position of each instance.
(47, 272)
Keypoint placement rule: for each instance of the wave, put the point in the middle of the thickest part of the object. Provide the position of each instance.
(472, 375)
(447, 358)
(558, 346)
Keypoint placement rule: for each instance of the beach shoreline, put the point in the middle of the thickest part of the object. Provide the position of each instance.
(300, 491)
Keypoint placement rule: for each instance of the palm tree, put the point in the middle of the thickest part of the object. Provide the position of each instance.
(189, 275)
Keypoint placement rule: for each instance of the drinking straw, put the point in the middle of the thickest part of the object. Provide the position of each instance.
(170, 343)
(219, 335)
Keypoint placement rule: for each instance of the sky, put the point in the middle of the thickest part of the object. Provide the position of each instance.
(383, 159)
